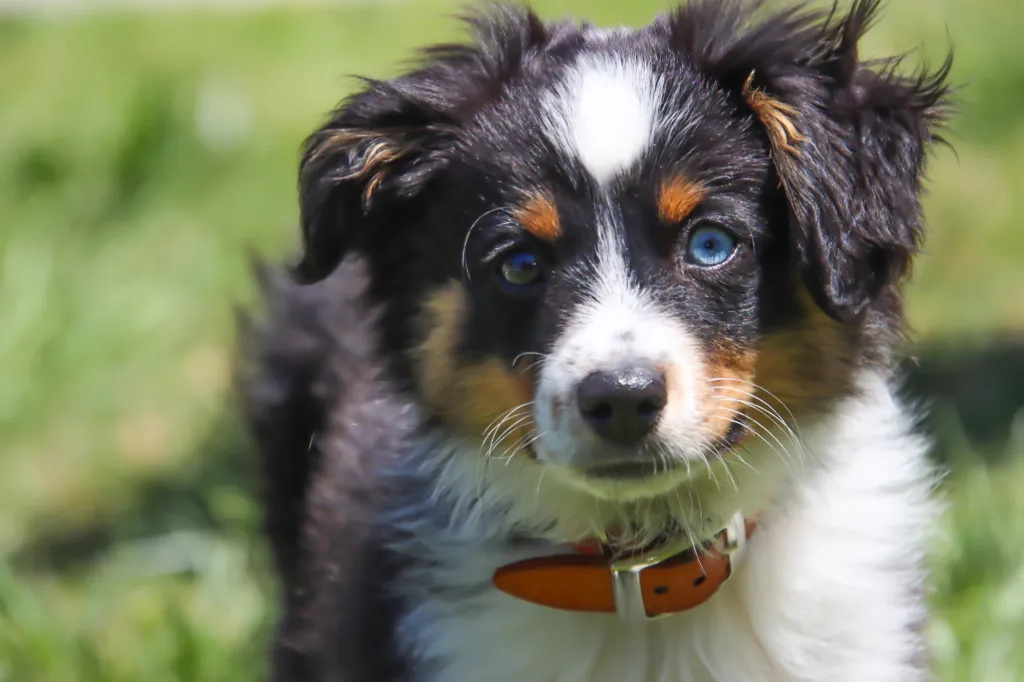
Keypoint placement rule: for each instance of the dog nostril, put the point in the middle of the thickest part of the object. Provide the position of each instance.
(648, 409)
(599, 411)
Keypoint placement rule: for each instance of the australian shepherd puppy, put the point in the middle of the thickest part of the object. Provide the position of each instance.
(587, 371)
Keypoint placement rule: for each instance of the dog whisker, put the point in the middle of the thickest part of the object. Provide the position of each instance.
(792, 423)
(782, 452)
(765, 404)
(491, 436)
(520, 445)
(795, 438)
(465, 242)
(729, 450)
(735, 452)
(759, 387)
(771, 414)
(541, 357)
(505, 434)
(497, 422)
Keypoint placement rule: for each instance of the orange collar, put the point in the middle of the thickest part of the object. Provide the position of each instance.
(657, 581)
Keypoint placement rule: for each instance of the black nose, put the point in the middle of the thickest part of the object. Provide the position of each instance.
(622, 406)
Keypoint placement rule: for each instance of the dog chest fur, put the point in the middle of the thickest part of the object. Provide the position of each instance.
(829, 588)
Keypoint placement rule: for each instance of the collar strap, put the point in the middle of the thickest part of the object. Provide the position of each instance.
(655, 582)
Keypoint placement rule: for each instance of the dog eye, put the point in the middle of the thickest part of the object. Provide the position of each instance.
(710, 245)
(520, 272)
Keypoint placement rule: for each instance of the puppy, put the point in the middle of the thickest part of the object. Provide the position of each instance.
(588, 368)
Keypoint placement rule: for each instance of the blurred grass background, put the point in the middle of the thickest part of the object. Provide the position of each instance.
(143, 154)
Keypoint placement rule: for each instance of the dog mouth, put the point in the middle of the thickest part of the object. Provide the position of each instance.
(631, 470)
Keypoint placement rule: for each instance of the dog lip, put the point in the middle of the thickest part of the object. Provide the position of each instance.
(627, 469)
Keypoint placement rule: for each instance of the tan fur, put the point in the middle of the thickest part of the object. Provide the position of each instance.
(539, 216)
(733, 369)
(470, 397)
(677, 197)
(794, 372)
(380, 151)
(776, 117)
(808, 366)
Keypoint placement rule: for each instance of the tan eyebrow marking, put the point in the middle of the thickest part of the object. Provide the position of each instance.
(677, 197)
(539, 216)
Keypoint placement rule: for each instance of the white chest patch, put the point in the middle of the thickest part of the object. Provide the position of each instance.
(604, 115)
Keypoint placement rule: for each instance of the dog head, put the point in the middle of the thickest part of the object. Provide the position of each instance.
(614, 252)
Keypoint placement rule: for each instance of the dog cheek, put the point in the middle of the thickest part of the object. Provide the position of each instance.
(469, 396)
(804, 368)
(730, 370)
(555, 410)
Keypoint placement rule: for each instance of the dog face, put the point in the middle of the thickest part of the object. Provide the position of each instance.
(617, 252)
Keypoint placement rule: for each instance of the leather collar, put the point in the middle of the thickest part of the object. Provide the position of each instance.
(669, 577)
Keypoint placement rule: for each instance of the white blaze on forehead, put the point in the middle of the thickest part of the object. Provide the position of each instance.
(604, 114)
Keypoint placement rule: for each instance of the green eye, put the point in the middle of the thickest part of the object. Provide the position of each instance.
(520, 272)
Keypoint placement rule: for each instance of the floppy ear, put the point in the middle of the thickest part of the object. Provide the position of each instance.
(380, 147)
(384, 144)
(850, 159)
(848, 140)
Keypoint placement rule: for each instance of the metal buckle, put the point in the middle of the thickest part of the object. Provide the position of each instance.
(629, 597)
(734, 535)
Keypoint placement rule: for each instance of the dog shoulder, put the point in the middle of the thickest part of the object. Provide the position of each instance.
(323, 419)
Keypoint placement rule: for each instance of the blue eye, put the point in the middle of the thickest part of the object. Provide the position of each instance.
(710, 246)
(520, 272)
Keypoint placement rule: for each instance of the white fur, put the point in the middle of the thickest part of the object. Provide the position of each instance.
(604, 114)
(827, 590)
(618, 326)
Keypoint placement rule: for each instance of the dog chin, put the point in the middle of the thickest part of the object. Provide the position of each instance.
(623, 482)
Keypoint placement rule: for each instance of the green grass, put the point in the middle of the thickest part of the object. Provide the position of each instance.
(142, 157)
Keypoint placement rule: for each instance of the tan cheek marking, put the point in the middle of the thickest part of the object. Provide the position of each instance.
(794, 372)
(439, 321)
(470, 396)
(805, 368)
(730, 371)
(677, 197)
(487, 392)
(539, 216)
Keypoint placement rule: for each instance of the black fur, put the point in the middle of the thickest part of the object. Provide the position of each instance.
(325, 421)
(419, 114)
(853, 191)
(854, 188)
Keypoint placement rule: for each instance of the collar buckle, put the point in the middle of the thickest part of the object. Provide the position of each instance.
(626, 572)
